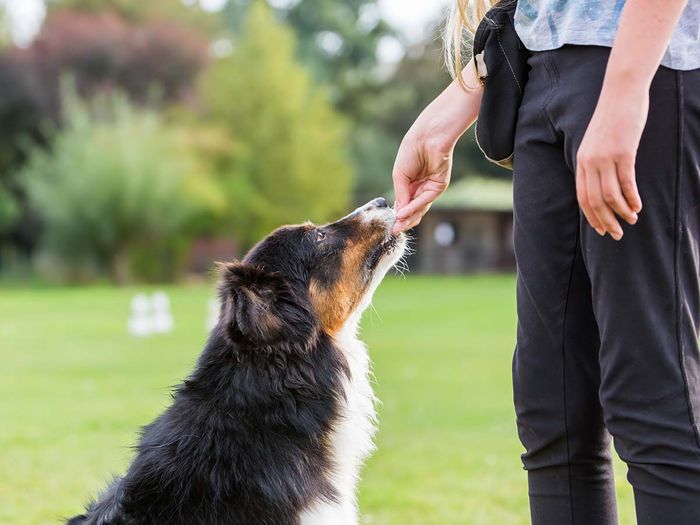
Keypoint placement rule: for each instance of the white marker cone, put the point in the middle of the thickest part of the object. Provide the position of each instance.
(163, 322)
(140, 321)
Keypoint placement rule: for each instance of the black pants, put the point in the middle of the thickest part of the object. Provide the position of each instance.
(607, 331)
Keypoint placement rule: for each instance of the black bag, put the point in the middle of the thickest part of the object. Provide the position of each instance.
(501, 66)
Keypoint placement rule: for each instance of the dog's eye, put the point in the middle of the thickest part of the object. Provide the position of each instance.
(320, 236)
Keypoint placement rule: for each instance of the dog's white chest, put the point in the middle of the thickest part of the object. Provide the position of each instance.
(352, 437)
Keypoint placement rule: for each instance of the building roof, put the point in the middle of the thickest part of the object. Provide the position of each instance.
(478, 193)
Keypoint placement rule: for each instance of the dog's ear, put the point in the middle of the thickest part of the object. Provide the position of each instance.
(260, 307)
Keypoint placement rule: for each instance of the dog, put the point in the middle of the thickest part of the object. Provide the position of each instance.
(274, 423)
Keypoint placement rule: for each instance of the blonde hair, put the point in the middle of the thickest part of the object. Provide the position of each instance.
(461, 24)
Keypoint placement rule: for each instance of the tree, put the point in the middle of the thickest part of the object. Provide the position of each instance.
(5, 33)
(290, 161)
(337, 40)
(21, 112)
(102, 50)
(139, 11)
(115, 185)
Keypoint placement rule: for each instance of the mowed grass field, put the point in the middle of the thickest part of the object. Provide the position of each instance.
(74, 388)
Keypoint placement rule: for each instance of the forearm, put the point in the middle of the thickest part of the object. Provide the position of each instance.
(605, 162)
(645, 30)
(451, 114)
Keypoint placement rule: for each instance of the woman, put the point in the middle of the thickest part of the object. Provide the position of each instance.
(607, 230)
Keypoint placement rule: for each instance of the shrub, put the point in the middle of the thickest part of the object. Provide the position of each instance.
(115, 186)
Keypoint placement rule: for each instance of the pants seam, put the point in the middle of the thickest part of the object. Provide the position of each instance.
(677, 238)
(553, 75)
(563, 358)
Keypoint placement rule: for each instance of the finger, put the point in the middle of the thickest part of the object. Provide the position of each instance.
(411, 221)
(612, 194)
(402, 192)
(418, 203)
(628, 184)
(582, 196)
(601, 209)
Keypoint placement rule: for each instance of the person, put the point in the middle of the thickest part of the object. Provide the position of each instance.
(607, 240)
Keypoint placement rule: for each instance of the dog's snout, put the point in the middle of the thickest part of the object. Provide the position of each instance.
(379, 202)
(375, 211)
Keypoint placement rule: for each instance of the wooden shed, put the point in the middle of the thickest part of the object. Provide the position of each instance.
(469, 229)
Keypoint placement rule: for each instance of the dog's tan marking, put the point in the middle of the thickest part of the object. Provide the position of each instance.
(334, 304)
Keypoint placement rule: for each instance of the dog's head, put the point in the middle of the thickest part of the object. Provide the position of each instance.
(306, 278)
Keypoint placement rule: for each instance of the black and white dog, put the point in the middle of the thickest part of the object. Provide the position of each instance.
(274, 423)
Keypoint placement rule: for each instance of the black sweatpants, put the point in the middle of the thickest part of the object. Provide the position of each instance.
(608, 331)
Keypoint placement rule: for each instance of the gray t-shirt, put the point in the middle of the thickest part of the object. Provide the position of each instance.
(549, 24)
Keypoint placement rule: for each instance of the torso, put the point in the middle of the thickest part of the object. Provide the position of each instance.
(544, 25)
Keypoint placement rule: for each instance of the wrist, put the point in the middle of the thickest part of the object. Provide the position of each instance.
(626, 87)
(447, 118)
(626, 77)
(433, 134)
(438, 128)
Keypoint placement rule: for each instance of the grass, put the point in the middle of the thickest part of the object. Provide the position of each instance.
(75, 388)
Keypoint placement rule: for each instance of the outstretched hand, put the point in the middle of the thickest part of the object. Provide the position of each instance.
(424, 161)
(421, 174)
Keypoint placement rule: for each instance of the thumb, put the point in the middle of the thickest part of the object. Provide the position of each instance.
(402, 191)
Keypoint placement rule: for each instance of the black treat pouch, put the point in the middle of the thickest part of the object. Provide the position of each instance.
(501, 66)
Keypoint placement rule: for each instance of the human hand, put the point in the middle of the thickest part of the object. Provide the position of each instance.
(605, 175)
(424, 161)
(421, 174)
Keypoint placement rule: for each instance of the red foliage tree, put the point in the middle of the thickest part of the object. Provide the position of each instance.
(151, 60)
(101, 50)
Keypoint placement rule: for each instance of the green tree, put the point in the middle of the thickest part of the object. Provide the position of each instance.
(9, 209)
(337, 40)
(5, 34)
(290, 158)
(114, 190)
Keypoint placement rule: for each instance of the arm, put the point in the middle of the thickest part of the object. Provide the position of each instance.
(424, 161)
(605, 177)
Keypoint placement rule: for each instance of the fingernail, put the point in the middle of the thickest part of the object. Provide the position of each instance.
(600, 231)
(635, 218)
(616, 235)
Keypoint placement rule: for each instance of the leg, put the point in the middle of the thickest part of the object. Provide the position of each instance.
(647, 303)
(556, 373)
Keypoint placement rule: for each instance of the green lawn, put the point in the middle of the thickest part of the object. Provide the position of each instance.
(74, 388)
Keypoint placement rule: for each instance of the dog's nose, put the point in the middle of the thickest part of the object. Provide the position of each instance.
(379, 202)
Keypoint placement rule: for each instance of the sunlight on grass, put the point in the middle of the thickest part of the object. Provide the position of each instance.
(75, 388)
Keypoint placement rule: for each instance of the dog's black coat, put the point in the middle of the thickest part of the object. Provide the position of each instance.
(245, 441)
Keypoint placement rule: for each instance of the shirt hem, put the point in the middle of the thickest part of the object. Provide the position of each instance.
(586, 40)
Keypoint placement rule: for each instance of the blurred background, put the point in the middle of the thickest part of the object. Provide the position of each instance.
(140, 141)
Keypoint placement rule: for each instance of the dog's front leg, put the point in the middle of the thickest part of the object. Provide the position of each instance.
(323, 513)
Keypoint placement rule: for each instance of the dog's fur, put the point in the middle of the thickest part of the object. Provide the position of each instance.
(272, 426)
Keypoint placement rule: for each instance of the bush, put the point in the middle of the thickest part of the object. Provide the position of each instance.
(114, 190)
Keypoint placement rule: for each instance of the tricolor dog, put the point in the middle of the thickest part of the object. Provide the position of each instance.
(275, 421)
